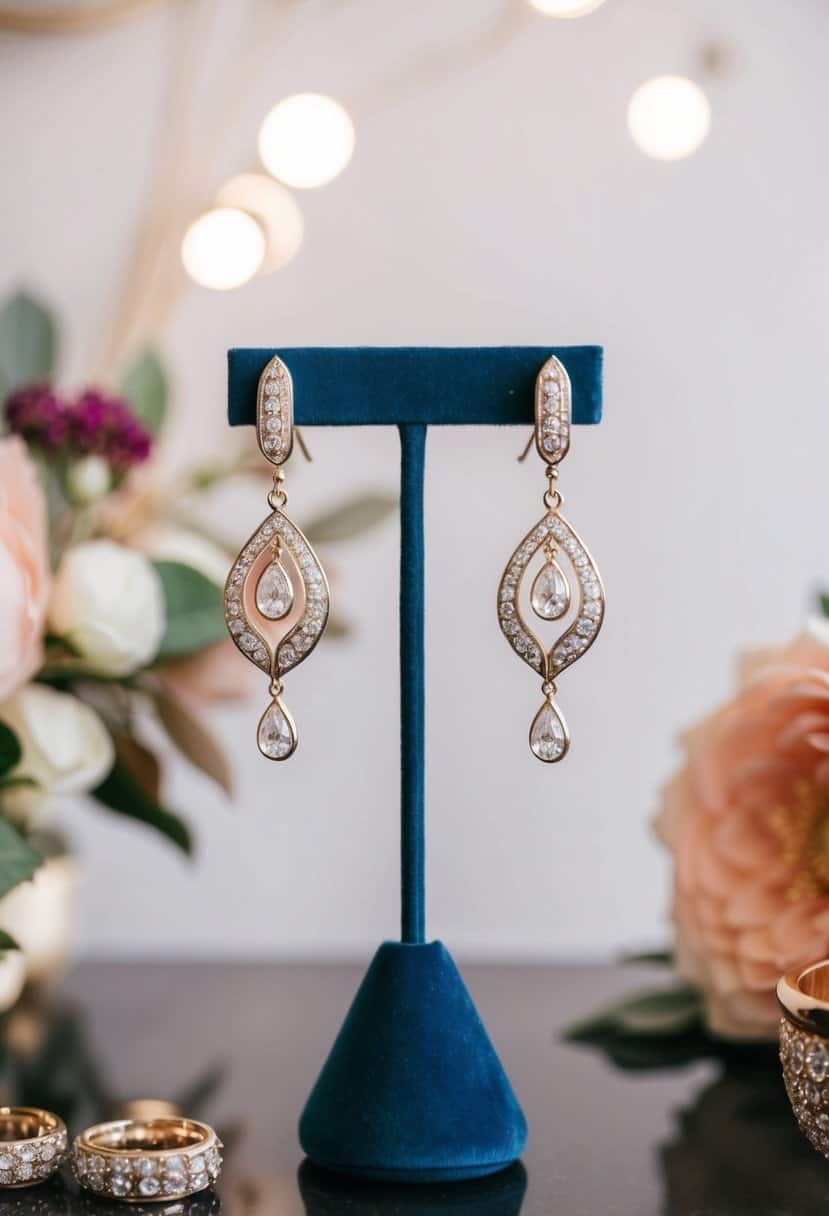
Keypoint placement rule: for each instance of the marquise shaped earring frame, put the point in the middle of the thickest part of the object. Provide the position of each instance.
(259, 588)
(567, 583)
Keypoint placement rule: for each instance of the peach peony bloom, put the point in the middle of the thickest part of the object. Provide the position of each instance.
(24, 566)
(747, 820)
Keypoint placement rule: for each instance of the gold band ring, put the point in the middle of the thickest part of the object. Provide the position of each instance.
(804, 1048)
(32, 1145)
(147, 1159)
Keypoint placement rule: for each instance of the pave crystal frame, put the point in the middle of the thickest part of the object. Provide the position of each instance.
(557, 538)
(140, 1175)
(277, 535)
(31, 1159)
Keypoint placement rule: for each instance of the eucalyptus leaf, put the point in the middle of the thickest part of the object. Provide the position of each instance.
(144, 384)
(10, 749)
(195, 613)
(120, 792)
(18, 860)
(7, 942)
(824, 604)
(28, 342)
(649, 958)
(350, 518)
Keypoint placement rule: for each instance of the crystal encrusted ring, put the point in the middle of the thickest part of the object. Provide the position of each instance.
(804, 1048)
(32, 1145)
(152, 1159)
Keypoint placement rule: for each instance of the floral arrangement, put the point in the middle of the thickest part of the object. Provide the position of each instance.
(110, 601)
(746, 820)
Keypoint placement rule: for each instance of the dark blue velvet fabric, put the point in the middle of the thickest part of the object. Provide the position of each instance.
(434, 385)
(413, 1089)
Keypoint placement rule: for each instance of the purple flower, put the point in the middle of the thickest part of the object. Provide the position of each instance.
(106, 425)
(38, 415)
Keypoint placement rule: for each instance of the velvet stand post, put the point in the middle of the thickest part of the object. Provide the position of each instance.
(412, 1089)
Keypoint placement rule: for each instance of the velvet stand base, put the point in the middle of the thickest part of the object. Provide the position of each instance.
(412, 1090)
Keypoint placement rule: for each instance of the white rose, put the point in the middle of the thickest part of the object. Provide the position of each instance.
(40, 916)
(107, 602)
(66, 747)
(12, 978)
(170, 543)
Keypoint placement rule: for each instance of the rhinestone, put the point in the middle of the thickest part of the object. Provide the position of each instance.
(274, 593)
(121, 1165)
(817, 1062)
(276, 737)
(148, 1186)
(6, 1162)
(797, 1055)
(174, 1165)
(96, 1163)
(237, 627)
(120, 1186)
(550, 596)
(547, 738)
(48, 1150)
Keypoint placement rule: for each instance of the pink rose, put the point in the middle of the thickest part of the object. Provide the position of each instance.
(747, 820)
(24, 566)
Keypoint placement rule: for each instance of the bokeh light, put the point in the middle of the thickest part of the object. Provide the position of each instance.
(668, 117)
(306, 140)
(274, 207)
(223, 248)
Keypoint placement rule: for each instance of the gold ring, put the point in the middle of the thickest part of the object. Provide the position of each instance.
(147, 1159)
(804, 1048)
(32, 1145)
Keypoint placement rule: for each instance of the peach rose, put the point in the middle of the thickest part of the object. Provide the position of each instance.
(24, 566)
(747, 820)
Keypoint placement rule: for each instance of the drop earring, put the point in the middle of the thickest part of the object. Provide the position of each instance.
(276, 595)
(555, 594)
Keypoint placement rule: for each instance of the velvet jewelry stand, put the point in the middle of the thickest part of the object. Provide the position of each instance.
(412, 1090)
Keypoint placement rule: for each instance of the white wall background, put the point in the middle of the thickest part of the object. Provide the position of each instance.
(502, 203)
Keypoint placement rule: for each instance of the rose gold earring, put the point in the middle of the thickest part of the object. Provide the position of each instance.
(277, 578)
(555, 594)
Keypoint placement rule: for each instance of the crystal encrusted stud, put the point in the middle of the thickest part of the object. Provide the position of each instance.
(565, 582)
(276, 596)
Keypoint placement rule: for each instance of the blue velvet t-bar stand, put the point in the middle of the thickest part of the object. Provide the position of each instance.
(412, 1089)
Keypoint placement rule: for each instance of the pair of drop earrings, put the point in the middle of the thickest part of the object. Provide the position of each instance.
(260, 592)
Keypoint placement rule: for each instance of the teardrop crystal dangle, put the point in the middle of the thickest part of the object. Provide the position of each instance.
(549, 737)
(276, 736)
(274, 591)
(260, 590)
(577, 594)
(550, 596)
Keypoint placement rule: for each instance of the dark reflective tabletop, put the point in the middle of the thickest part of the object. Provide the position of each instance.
(241, 1045)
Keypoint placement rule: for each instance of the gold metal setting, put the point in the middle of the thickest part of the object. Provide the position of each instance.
(566, 586)
(277, 598)
(141, 1160)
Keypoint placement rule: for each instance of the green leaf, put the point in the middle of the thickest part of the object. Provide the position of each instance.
(28, 342)
(7, 942)
(350, 518)
(10, 749)
(18, 860)
(194, 739)
(649, 958)
(144, 384)
(195, 616)
(824, 604)
(664, 1012)
(120, 792)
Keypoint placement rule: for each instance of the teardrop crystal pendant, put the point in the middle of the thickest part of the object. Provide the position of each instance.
(549, 737)
(274, 592)
(277, 733)
(550, 596)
